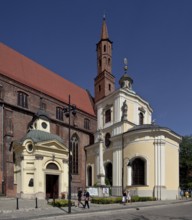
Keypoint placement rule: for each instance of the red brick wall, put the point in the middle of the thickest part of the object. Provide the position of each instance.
(21, 117)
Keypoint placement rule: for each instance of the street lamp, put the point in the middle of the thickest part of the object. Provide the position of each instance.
(67, 111)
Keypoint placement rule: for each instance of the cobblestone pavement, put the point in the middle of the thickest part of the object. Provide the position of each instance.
(10, 208)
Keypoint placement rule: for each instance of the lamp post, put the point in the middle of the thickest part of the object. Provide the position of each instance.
(67, 111)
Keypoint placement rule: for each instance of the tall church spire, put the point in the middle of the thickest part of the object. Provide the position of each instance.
(104, 32)
(105, 81)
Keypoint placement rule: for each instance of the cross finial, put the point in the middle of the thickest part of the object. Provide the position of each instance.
(104, 16)
(125, 65)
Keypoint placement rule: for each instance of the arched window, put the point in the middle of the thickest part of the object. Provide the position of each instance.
(75, 154)
(59, 113)
(22, 99)
(87, 123)
(141, 118)
(107, 139)
(89, 176)
(107, 115)
(109, 174)
(138, 172)
(52, 166)
(104, 48)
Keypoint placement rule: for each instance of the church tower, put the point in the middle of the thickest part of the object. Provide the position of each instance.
(105, 81)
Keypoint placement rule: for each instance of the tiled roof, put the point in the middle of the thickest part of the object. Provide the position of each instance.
(40, 136)
(20, 68)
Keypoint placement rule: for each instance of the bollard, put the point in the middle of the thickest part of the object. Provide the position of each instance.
(17, 202)
(36, 203)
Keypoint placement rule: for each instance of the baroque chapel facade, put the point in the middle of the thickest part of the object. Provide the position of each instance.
(130, 152)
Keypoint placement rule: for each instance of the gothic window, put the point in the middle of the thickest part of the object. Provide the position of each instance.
(107, 139)
(138, 172)
(59, 113)
(104, 48)
(75, 155)
(22, 99)
(141, 118)
(87, 123)
(107, 115)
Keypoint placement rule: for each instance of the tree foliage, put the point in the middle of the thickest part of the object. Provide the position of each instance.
(186, 162)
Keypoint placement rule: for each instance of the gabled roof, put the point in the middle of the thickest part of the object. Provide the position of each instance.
(21, 69)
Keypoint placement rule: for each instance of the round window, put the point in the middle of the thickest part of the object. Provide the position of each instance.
(30, 147)
(44, 125)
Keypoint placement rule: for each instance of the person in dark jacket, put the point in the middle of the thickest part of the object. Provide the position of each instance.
(86, 196)
(79, 197)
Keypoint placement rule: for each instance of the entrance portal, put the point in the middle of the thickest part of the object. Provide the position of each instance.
(52, 186)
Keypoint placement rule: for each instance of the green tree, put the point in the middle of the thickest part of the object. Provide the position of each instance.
(186, 162)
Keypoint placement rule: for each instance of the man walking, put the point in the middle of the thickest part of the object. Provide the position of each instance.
(86, 195)
(79, 196)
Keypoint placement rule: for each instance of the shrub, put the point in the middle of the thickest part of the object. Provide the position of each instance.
(108, 200)
(111, 200)
(61, 203)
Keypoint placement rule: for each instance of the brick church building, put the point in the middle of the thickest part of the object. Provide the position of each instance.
(30, 96)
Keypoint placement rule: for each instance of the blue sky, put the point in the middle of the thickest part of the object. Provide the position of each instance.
(154, 35)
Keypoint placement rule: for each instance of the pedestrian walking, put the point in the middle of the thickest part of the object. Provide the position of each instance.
(87, 197)
(181, 194)
(128, 196)
(79, 197)
(186, 194)
(124, 197)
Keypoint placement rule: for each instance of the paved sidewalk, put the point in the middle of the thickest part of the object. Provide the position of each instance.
(27, 208)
